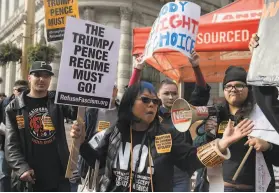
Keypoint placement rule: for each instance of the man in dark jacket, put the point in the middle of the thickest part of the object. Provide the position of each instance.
(19, 87)
(36, 148)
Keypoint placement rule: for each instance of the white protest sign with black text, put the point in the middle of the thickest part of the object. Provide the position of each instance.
(88, 64)
(175, 28)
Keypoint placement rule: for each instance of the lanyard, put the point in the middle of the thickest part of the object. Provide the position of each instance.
(138, 161)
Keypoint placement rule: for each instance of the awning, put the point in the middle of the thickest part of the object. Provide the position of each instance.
(220, 32)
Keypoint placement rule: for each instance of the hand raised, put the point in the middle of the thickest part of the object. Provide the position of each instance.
(254, 42)
(139, 64)
(233, 134)
(195, 59)
(75, 130)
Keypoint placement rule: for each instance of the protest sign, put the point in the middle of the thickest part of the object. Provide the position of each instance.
(56, 12)
(264, 65)
(88, 64)
(263, 128)
(263, 177)
(175, 28)
(163, 143)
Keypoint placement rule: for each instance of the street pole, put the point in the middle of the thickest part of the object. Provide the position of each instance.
(29, 24)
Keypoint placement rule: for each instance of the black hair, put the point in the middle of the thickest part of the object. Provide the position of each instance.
(2, 94)
(247, 106)
(21, 83)
(125, 110)
(166, 82)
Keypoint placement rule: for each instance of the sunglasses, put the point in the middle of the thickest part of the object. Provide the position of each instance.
(147, 100)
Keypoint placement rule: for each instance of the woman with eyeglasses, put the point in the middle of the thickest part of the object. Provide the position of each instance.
(139, 154)
(238, 106)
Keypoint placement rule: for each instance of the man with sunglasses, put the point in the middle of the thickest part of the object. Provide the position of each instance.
(36, 147)
(5, 173)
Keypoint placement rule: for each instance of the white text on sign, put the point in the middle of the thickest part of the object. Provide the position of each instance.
(181, 116)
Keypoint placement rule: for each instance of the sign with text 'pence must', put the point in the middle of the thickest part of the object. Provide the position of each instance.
(56, 12)
(88, 64)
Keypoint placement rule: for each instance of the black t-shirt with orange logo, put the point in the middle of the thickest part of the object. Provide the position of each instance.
(45, 162)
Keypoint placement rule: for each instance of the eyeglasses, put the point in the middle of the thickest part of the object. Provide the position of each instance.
(238, 87)
(147, 100)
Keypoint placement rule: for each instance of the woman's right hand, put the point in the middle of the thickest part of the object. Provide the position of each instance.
(211, 125)
(75, 130)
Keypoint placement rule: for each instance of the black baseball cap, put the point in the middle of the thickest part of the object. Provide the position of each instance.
(41, 66)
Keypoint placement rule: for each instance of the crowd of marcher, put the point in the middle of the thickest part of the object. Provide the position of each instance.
(135, 141)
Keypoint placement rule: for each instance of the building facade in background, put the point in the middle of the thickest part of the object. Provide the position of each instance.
(122, 14)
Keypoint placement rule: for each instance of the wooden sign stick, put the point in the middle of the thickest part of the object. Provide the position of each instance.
(74, 152)
(242, 163)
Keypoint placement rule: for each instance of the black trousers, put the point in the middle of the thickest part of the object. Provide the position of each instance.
(63, 186)
(5, 184)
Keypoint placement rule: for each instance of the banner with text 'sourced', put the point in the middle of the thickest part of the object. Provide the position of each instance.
(88, 64)
(56, 12)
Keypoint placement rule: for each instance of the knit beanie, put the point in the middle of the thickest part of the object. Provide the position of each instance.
(235, 73)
